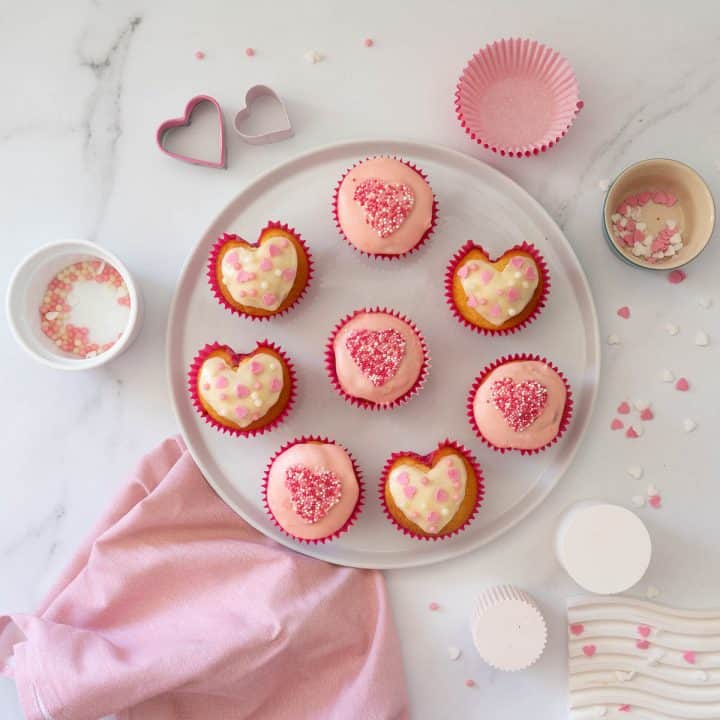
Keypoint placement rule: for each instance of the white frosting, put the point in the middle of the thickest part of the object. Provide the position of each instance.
(499, 295)
(430, 498)
(243, 394)
(261, 277)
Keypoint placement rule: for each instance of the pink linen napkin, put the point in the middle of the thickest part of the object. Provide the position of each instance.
(177, 609)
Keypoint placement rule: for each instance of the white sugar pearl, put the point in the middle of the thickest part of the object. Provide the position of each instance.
(638, 501)
(444, 512)
(264, 285)
(272, 365)
(518, 275)
(254, 395)
(634, 471)
(511, 312)
(257, 403)
(277, 272)
(454, 652)
(689, 425)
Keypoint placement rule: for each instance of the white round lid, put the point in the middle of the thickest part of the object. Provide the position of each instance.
(604, 548)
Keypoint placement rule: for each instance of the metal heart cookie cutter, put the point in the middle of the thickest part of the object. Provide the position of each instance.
(185, 121)
(283, 132)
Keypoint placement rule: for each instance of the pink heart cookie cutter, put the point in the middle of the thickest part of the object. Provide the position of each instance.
(185, 121)
(283, 132)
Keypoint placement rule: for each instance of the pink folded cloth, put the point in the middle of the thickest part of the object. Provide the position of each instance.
(177, 609)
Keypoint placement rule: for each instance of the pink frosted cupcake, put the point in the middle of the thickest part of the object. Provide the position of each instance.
(313, 489)
(385, 207)
(376, 358)
(522, 402)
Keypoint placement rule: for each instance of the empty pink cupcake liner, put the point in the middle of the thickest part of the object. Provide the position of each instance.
(385, 256)
(230, 237)
(361, 402)
(358, 505)
(459, 256)
(425, 459)
(564, 421)
(236, 357)
(521, 59)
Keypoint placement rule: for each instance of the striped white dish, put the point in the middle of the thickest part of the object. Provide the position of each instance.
(675, 677)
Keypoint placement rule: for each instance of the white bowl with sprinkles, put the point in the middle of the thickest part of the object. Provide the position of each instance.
(659, 214)
(73, 305)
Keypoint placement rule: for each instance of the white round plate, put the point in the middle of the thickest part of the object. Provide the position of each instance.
(475, 201)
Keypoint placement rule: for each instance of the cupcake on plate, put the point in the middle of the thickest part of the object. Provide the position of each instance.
(313, 489)
(432, 496)
(376, 358)
(242, 394)
(496, 297)
(521, 402)
(385, 207)
(264, 279)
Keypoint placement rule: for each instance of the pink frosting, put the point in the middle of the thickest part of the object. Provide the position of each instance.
(352, 215)
(316, 456)
(355, 383)
(493, 424)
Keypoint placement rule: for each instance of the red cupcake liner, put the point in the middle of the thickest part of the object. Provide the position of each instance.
(564, 420)
(236, 357)
(386, 256)
(425, 459)
(362, 402)
(459, 256)
(231, 237)
(358, 474)
(516, 57)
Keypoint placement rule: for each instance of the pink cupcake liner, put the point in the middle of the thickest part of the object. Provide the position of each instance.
(236, 358)
(564, 421)
(492, 94)
(459, 256)
(386, 256)
(426, 460)
(362, 402)
(358, 474)
(230, 237)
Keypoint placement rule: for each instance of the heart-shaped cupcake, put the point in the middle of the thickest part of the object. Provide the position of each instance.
(432, 496)
(496, 296)
(243, 394)
(264, 279)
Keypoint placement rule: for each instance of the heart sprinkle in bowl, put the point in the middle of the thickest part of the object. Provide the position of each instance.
(73, 305)
(658, 214)
(517, 97)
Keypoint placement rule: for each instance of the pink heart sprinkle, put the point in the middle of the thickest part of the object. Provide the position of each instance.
(495, 310)
(577, 628)
(660, 198)
(689, 657)
(232, 257)
(676, 276)
(644, 630)
(616, 424)
(257, 385)
(453, 473)
(644, 197)
(409, 491)
(288, 274)
(433, 516)
(463, 271)
(274, 250)
(276, 384)
(624, 708)
(624, 312)
(670, 199)
(646, 414)
(282, 242)
(517, 261)
(403, 478)
(206, 386)
(530, 273)
(642, 644)
(682, 385)
(242, 391)
(266, 264)
(589, 650)
(424, 480)
(441, 495)
(472, 301)
(269, 299)
(631, 433)
(256, 367)
(633, 201)
(486, 276)
(655, 501)
(221, 382)
(623, 408)
(245, 276)
(513, 294)
(240, 412)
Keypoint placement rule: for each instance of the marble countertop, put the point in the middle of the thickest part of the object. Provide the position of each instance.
(85, 84)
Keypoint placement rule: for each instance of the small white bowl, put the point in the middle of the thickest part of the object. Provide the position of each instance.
(27, 288)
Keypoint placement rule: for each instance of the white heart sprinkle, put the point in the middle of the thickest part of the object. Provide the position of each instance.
(615, 217)
(672, 329)
(705, 302)
(667, 376)
(652, 490)
(603, 184)
(638, 501)
(641, 404)
(313, 56)
(700, 675)
(634, 471)
(655, 658)
(600, 711)
(670, 224)
(652, 592)
(454, 652)
(689, 424)
(639, 429)
(702, 339)
(613, 340)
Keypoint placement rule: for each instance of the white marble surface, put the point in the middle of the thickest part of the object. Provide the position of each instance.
(84, 86)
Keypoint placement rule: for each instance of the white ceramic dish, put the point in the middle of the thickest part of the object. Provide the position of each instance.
(26, 289)
(475, 201)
